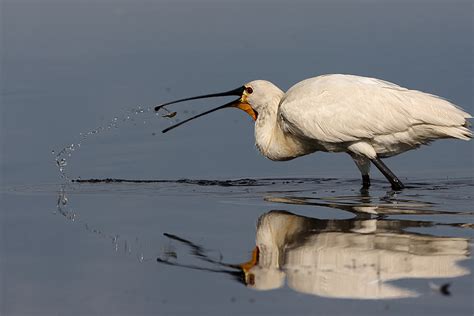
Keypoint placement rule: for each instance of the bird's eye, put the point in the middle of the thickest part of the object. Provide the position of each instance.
(249, 90)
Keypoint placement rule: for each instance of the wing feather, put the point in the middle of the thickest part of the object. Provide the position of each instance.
(345, 108)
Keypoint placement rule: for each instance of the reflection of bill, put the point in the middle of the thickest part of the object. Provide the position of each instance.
(348, 258)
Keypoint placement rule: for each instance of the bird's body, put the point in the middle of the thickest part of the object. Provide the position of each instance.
(365, 117)
(359, 115)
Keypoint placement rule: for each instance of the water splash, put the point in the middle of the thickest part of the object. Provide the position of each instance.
(63, 156)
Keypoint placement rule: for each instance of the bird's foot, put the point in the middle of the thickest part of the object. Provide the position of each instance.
(397, 185)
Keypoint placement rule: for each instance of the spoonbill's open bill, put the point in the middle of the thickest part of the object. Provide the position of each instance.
(367, 118)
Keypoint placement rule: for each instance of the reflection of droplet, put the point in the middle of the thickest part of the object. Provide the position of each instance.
(171, 254)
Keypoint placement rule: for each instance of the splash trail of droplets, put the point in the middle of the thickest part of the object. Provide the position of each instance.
(63, 156)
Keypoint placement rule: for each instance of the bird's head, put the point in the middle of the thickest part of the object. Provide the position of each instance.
(253, 97)
(260, 94)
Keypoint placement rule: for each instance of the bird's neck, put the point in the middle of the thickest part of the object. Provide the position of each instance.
(270, 139)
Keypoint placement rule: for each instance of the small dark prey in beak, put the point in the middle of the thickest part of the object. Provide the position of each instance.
(238, 92)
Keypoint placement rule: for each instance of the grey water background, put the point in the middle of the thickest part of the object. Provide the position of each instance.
(68, 67)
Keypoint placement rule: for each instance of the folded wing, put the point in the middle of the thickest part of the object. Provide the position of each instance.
(346, 108)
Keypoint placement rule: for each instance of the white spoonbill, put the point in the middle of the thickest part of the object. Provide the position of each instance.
(367, 118)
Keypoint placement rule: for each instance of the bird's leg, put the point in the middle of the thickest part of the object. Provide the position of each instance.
(394, 181)
(365, 181)
(363, 163)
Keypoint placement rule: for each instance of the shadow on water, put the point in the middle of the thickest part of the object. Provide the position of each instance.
(355, 258)
(204, 182)
(366, 205)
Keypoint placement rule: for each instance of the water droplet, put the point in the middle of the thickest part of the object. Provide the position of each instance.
(52, 152)
(61, 162)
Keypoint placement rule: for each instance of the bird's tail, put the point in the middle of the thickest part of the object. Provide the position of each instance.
(466, 132)
(460, 132)
(463, 133)
(432, 132)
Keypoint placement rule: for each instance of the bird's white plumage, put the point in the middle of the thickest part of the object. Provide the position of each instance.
(344, 108)
(359, 115)
(367, 118)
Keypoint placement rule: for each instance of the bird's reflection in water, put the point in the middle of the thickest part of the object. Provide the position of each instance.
(340, 258)
(348, 258)
(364, 204)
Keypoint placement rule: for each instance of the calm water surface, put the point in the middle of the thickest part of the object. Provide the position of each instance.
(273, 246)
